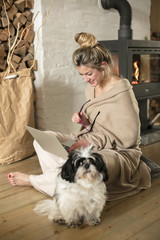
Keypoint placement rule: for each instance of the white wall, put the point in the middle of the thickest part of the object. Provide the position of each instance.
(59, 88)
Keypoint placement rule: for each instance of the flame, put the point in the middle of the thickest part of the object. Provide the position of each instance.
(117, 70)
(136, 73)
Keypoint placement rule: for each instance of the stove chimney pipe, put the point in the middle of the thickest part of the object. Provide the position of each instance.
(124, 9)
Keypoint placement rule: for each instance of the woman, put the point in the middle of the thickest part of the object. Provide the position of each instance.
(109, 121)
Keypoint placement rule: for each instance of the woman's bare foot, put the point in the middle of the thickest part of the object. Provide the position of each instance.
(19, 179)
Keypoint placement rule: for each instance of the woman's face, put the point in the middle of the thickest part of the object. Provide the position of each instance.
(91, 75)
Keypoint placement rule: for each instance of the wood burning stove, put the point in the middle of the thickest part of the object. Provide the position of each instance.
(139, 62)
(136, 60)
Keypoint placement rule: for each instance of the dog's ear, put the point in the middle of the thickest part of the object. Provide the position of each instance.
(68, 170)
(101, 166)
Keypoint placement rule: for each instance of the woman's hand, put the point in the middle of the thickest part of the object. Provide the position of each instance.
(80, 144)
(76, 118)
(80, 118)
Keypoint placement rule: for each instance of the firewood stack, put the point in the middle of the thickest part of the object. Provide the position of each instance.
(17, 14)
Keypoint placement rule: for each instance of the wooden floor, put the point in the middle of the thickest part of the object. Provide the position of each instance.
(133, 218)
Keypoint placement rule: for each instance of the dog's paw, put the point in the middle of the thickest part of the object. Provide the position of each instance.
(94, 222)
(74, 224)
(59, 220)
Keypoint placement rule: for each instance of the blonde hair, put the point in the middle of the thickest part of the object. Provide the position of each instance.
(91, 53)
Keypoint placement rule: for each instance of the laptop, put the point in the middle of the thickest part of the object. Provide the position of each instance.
(48, 142)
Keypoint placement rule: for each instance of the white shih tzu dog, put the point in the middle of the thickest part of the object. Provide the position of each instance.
(80, 191)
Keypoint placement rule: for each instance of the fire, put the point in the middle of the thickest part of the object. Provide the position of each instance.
(117, 70)
(136, 73)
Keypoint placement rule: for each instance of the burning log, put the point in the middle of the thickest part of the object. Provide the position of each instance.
(15, 16)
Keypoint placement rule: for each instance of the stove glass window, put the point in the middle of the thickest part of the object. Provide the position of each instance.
(145, 68)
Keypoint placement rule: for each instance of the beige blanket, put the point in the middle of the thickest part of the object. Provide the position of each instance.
(116, 136)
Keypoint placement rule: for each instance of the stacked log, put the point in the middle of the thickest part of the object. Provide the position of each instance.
(16, 28)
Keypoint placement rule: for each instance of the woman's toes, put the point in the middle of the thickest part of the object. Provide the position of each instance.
(19, 179)
(11, 179)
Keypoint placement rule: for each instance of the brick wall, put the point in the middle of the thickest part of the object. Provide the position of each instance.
(60, 90)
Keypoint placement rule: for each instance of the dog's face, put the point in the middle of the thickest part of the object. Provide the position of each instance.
(83, 165)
